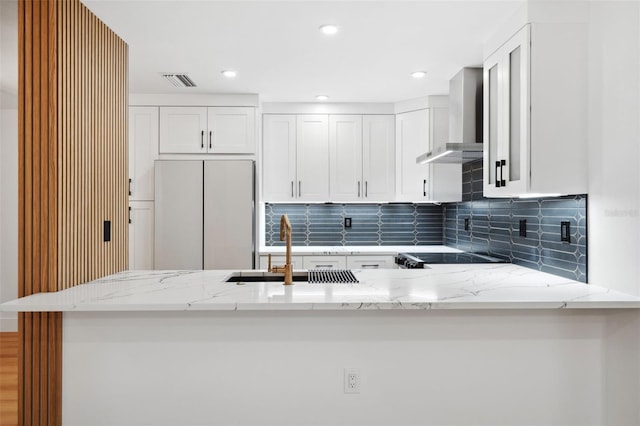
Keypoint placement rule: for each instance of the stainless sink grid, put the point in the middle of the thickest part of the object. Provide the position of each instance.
(326, 276)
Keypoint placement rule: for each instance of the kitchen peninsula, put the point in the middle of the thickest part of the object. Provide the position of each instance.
(452, 344)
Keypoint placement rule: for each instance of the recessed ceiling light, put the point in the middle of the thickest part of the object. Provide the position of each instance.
(329, 29)
(322, 97)
(418, 74)
(229, 73)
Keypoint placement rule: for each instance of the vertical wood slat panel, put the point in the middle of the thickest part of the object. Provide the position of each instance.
(52, 168)
(72, 176)
(40, 255)
(35, 224)
(27, 207)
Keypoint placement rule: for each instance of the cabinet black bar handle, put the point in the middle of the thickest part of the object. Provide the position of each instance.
(130, 215)
(129, 186)
(202, 139)
(299, 188)
(366, 189)
(358, 189)
(502, 164)
(292, 194)
(210, 134)
(424, 188)
(497, 180)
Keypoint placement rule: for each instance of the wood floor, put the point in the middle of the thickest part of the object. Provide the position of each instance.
(8, 379)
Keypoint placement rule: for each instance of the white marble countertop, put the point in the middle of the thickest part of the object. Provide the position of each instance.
(356, 250)
(479, 286)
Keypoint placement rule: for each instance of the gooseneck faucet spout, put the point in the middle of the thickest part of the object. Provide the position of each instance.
(287, 269)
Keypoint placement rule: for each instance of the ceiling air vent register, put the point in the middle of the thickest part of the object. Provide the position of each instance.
(179, 80)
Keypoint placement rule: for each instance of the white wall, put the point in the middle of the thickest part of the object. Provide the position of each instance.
(614, 145)
(8, 161)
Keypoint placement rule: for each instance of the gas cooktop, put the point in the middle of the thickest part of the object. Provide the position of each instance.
(420, 260)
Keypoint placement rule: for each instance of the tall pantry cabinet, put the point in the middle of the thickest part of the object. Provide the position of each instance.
(143, 151)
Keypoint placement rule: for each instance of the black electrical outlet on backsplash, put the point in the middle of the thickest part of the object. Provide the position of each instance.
(528, 231)
(356, 224)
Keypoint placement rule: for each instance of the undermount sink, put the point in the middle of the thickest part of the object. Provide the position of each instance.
(262, 277)
(313, 276)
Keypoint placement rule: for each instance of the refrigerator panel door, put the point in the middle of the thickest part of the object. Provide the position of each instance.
(178, 214)
(228, 214)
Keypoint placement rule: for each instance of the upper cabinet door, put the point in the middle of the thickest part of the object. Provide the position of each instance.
(492, 130)
(378, 158)
(516, 119)
(143, 151)
(312, 158)
(279, 181)
(231, 130)
(182, 130)
(412, 136)
(506, 118)
(345, 166)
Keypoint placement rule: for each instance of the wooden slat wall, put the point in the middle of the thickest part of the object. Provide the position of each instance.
(72, 177)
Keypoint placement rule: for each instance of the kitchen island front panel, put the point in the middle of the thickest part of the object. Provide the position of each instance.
(447, 286)
(552, 367)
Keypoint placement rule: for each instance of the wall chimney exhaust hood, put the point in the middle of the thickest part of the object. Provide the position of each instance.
(465, 121)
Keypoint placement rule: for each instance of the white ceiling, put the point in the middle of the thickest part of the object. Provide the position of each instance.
(278, 52)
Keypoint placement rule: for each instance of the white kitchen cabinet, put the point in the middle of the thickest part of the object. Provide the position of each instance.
(324, 262)
(370, 262)
(182, 130)
(231, 130)
(332, 261)
(378, 157)
(345, 157)
(295, 158)
(141, 235)
(213, 130)
(279, 157)
(312, 154)
(143, 151)
(416, 133)
(279, 261)
(362, 154)
(535, 97)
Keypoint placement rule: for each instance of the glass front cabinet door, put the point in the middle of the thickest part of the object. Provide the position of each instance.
(506, 118)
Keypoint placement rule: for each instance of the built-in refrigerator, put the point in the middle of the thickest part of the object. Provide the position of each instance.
(204, 214)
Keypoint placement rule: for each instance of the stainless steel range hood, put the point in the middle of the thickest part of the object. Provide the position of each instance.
(465, 121)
